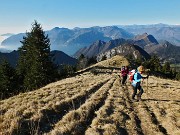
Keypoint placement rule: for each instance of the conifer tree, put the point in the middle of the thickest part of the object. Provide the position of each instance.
(82, 62)
(91, 61)
(34, 66)
(153, 64)
(166, 67)
(7, 80)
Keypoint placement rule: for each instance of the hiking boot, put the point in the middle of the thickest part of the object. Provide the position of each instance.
(139, 98)
(133, 100)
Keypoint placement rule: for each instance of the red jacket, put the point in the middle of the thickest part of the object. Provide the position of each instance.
(124, 72)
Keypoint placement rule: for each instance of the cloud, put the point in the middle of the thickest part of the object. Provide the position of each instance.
(2, 47)
(7, 34)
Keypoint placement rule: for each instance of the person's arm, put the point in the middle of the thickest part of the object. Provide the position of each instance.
(145, 77)
(138, 77)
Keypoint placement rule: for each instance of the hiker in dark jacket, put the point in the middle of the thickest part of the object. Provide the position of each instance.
(136, 83)
(124, 73)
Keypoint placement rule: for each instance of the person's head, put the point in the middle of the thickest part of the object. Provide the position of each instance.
(140, 69)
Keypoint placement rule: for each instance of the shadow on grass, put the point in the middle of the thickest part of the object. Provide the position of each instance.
(162, 100)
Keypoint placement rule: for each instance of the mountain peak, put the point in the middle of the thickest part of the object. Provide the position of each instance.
(99, 42)
(144, 34)
(56, 28)
(138, 37)
(146, 39)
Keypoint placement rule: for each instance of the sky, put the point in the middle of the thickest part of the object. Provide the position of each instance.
(16, 16)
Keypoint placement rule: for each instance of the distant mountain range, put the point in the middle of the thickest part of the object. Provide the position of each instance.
(157, 39)
(139, 47)
(71, 40)
(99, 46)
(58, 58)
(160, 31)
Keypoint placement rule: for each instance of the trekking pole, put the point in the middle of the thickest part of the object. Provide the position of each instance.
(147, 81)
(147, 85)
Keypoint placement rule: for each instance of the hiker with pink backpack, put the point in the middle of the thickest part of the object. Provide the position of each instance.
(136, 79)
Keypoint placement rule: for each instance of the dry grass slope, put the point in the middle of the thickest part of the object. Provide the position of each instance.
(94, 104)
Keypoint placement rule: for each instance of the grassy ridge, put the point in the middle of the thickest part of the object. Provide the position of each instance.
(94, 104)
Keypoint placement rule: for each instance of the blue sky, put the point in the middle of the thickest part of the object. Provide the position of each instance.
(17, 15)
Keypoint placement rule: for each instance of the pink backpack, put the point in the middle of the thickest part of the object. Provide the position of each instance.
(131, 75)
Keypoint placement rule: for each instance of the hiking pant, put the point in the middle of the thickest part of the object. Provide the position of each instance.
(124, 79)
(138, 86)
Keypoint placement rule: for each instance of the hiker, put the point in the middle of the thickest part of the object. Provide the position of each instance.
(136, 83)
(124, 73)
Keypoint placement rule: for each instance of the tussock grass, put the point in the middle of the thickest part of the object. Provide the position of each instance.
(161, 106)
(116, 61)
(76, 121)
(94, 104)
(110, 117)
(28, 106)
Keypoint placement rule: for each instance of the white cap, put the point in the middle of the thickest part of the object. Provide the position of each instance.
(133, 71)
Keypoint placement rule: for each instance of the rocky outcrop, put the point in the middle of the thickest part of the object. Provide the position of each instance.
(144, 40)
(166, 52)
(100, 47)
(131, 50)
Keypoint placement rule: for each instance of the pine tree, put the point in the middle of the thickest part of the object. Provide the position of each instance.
(166, 67)
(7, 80)
(91, 61)
(34, 66)
(154, 63)
(82, 62)
(178, 76)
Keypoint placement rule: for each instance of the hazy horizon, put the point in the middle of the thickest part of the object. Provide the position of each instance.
(17, 16)
(4, 34)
